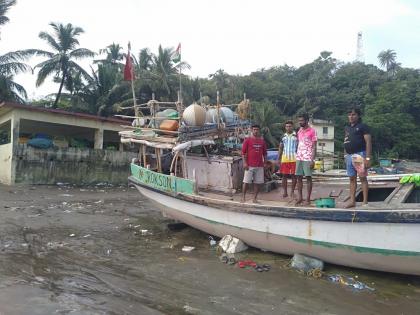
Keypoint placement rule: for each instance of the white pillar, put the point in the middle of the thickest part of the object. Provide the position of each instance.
(15, 126)
(99, 139)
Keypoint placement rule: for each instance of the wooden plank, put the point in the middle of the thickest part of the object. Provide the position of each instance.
(212, 133)
(149, 129)
(335, 194)
(148, 117)
(144, 155)
(161, 145)
(400, 195)
(159, 162)
(140, 155)
(146, 105)
(153, 139)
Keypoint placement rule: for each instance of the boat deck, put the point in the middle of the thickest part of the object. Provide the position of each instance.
(383, 195)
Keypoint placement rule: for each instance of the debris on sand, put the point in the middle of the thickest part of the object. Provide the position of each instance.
(350, 282)
(306, 263)
(188, 248)
(232, 245)
(213, 242)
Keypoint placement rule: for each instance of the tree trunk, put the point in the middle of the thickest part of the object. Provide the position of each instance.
(59, 90)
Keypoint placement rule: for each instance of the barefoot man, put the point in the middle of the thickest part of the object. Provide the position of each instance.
(254, 153)
(287, 158)
(305, 157)
(358, 149)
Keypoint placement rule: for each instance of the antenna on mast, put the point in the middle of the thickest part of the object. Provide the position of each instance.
(359, 50)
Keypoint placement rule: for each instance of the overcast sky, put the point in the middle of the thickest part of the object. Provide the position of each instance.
(239, 36)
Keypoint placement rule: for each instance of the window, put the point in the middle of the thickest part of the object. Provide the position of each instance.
(325, 130)
(5, 132)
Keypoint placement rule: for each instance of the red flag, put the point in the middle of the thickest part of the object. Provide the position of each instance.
(176, 57)
(128, 69)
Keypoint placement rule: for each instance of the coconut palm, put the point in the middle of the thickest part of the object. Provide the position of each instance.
(74, 82)
(164, 70)
(221, 78)
(113, 53)
(4, 7)
(387, 58)
(11, 91)
(104, 88)
(60, 63)
(10, 65)
(269, 119)
(145, 60)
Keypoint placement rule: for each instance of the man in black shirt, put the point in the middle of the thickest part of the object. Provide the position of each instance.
(358, 149)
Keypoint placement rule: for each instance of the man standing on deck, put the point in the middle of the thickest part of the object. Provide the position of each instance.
(254, 154)
(287, 158)
(358, 149)
(305, 157)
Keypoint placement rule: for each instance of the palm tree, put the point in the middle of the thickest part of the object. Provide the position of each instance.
(74, 82)
(269, 118)
(11, 91)
(4, 7)
(221, 78)
(113, 53)
(164, 69)
(61, 62)
(10, 65)
(99, 91)
(145, 60)
(387, 58)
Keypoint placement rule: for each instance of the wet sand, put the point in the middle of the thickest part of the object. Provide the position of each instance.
(81, 250)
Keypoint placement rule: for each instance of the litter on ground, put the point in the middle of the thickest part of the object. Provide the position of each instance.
(188, 248)
(350, 282)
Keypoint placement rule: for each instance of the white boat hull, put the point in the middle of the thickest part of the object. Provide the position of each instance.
(391, 247)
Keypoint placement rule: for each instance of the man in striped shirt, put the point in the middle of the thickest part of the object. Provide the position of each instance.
(287, 158)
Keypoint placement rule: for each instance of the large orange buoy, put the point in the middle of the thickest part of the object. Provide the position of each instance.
(169, 125)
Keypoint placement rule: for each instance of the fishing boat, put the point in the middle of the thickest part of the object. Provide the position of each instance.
(194, 174)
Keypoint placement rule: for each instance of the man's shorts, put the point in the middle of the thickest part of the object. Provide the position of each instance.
(288, 168)
(350, 165)
(254, 175)
(303, 168)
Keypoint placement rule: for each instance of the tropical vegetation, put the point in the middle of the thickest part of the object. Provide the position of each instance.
(11, 64)
(5, 5)
(325, 88)
(61, 62)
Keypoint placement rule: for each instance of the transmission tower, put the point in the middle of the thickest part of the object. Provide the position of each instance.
(359, 51)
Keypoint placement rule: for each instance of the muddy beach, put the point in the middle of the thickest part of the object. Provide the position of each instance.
(104, 250)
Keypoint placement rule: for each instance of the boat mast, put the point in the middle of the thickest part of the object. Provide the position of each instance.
(218, 109)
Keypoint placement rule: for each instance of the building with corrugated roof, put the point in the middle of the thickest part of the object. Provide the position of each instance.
(85, 148)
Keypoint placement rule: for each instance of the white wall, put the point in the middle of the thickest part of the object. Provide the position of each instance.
(6, 151)
(320, 133)
(328, 147)
(326, 138)
(6, 163)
